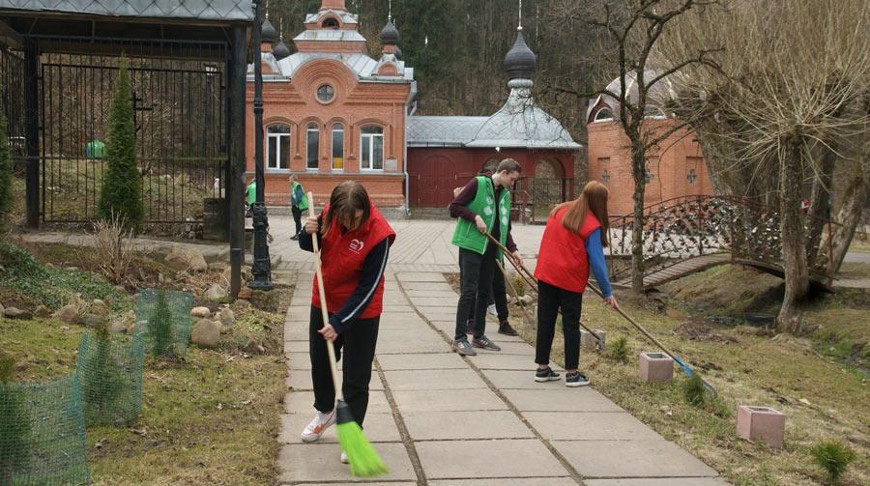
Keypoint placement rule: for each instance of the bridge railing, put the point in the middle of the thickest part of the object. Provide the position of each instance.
(692, 226)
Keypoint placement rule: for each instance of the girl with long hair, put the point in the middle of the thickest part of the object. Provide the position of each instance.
(572, 245)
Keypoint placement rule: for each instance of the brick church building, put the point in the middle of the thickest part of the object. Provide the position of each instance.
(675, 168)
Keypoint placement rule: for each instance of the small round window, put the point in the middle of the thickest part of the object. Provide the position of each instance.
(325, 93)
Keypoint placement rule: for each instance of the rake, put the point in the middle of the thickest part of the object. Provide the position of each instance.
(364, 460)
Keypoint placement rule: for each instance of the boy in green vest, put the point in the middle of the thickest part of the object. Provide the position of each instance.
(298, 204)
(482, 206)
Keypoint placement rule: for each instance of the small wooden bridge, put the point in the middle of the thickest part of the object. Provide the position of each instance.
(689, 234)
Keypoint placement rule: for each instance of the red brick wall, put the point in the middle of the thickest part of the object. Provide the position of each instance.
(669, 165)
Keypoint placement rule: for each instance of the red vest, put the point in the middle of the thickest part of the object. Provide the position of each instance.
(562, 259)
(342, 257)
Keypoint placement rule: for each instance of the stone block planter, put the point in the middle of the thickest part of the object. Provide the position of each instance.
(767, 424)
(655, 367)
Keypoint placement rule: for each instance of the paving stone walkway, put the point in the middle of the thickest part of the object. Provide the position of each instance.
(441, 419)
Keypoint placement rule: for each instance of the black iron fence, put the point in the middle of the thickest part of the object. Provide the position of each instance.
(180, 110)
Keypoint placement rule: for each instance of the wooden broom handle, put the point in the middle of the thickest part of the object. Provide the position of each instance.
(329, 346)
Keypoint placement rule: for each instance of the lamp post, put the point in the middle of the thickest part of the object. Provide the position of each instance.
(261, 269)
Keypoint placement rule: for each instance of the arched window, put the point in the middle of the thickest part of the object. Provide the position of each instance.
(313, 146)
(603, 115)
(330, 23)
(338, 147)
(490, 165)
(371, 148)
(278, 146)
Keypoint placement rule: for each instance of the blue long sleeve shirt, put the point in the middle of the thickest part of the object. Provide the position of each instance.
(595, 255)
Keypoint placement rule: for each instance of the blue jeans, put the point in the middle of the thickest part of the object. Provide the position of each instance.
(475, 285)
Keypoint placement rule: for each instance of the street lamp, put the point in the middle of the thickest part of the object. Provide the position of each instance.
(261, 269)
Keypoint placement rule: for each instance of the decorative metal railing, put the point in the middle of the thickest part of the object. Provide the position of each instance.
(691, 226)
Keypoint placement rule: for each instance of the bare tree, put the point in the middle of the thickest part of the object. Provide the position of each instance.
(789, 97)
(633, 29)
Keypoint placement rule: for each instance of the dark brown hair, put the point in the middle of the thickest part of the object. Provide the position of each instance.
(509, 165)
(347, 198)
(593, 198)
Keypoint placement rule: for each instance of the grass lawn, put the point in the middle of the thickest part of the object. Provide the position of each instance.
(820, 382)
(211, 418)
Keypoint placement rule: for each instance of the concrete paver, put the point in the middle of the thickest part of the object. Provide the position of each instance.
(434, 361)
(631, 458)
(589, 426)
(488, 459)
(465, 424)
(319, 463)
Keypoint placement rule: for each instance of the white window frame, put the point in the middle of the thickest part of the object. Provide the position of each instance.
(338, 127)
(312, 127)
(280, 158)
(603, 115)
(367, 140)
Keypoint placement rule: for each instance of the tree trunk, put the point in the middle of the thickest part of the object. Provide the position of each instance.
(792, 231)
(819, 212)
(849, 215)
(638, 169)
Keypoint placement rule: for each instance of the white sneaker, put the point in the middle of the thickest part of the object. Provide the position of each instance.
(343, 458)
(492, 310)
(315, 428)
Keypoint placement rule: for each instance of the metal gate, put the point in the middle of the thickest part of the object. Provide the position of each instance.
(12, 79)
(180, 115)
(541, 194)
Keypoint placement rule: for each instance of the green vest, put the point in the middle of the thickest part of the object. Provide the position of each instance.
(251, 192)
(466, 234)
(303, 203)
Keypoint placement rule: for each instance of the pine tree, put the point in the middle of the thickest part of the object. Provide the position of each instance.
(5, 173)
(121, 194)
(160, 327)
(103, 383)
(14, 424)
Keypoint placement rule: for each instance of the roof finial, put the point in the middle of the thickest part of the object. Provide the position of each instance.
(520, 17)
(267, 9)
(281, 29)
(390, 11)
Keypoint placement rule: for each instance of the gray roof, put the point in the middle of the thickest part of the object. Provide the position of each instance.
(519, 123)
(226, 10)
(443, 131)
(363, 66)
(657, 95)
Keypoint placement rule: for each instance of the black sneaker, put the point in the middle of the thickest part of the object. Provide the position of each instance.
(576, 379)
(484, 342)
(463, 348)
(505, 328)
(546, 374)
(295, 237)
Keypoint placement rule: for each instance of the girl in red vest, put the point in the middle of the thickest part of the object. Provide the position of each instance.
(573, 243)
(354, 245)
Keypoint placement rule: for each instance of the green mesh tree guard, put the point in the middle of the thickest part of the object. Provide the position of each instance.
(163, 318)
(42, 433)
(109, 367)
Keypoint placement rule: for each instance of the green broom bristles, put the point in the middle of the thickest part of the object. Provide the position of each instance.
(364, 460)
